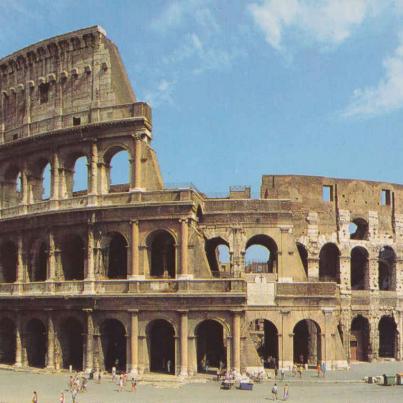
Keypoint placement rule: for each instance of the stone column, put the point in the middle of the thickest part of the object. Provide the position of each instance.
(55, 180)
(90, 253)
(51, 341)
(135, 252)
(51, 274)
(89, 355)
(313, 268)
(236, 341)
(345, 273)
(183, 343)
(2, 124)
(20, 260)
(93, 171)
(134, 342)
(374, 337)
(184, 245)
(373, 273)
(136, 183)
(328, 348)
(24, 185)
(18, 340)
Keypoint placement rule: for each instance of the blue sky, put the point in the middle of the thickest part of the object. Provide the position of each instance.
(245, 88)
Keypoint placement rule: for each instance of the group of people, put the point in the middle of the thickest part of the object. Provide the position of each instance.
(122, 379)
(274, 392)
(76, 384)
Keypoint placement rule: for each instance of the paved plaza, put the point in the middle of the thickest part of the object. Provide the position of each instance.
(339, 386)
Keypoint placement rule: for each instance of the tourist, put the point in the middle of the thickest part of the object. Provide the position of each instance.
(318, 369)
(274, 391)
(121, 383)
(99, 376)
(134, 384)
(285, 393)
(169, 363)
(113, 374)
(323, 368)
(282, 374)
(74, 395)
(35, 397)
(62, 399)
(299, 369)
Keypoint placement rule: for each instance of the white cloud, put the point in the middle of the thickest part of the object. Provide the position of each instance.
(327, 22)
(386, 96)
(161, 94)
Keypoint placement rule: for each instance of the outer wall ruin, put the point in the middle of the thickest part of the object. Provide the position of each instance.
(130, 275)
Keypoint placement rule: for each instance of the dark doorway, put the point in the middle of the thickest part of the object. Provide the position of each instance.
(387, 337)
(386, 269)
(359, 339)
(161, 344)
(303, 254)
(307, 343)
(265, 337)
(211, 352)
(71, 343)
(41, 263)
(36, 343)
(113, 338)
(359, 269)
(117, 264)
(8, 268)
(7, 341)
(329, 263)
(73, 258)
(162, 255)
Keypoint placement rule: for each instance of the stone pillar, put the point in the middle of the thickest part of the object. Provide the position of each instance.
(134, 342)
(24, 185)
(51, 274)
(135, 252)
(184, 246)
(51, 342)
(183, 343)
(2, 124)
(55, 180)
(236, 341)
(20, 259)
(282, 254)
(18, 340)
(93, 171)
(285, 342)
(90, 253)
(136, 183)
(313, 268)
(373, 273)
(345, 273)
(374, 337)
(328, 348)
(89, 354)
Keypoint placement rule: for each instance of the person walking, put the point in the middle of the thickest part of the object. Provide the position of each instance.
(74, 395)
(285, 392)
(62, 399)
(134, 384)
(274, 391)
(282, 374)
(35, 397)
(121, 383)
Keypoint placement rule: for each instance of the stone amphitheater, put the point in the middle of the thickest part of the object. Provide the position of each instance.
(132, 276)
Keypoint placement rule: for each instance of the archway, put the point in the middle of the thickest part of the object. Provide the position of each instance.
(265, 336)
(387, 269)
(117, 257)
(161, 346)
(7, 341)
(329, 263)
(113, 340)
(303, 254)
(307, 342)
(217, 251)
(80, 176)
(211, 350)
(8, 262)
(387, 337)
(36, 343)
(261, 255)
(118, 169)
(359, 339)
(12, 187)
(71, 343)
(358, 229)
(162, 253)
(359, 269)
(39, 269)
(73, 258)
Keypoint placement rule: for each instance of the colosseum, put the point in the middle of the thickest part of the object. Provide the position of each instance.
(131, 275)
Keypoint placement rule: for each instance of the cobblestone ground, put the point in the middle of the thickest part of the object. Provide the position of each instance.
(340, 386)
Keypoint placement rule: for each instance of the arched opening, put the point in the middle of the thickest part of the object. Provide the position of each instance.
(73, 257)
(329, 263)
(117, 256)
(39, 265)
(211, 349)
(161, 346)
(162, 254)
(46, 182)
(80, 176)
(71, 344)
(217, 251)
(36, 343)
(199, 214)
(387, 337)
(303, 255)
(117, 164)
(307, 342)
(8, 262)
(113, 339)
(12, 187)
(7, 341)
(261, 255)
(387, 269)
(359, 339)
(265, 337)
(358, 229)
(359, 269)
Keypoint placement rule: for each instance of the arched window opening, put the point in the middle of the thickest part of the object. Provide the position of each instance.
(303, 254)
(217, 251)
(18, 185)
(41, 263)
(161, 346)
(12, 187)
(359, 269)
(199, 214)
(8, 262)
(117, 257)
(359, 339)
(307, 342)
(36, 343)
(265, 337)
(162, 251)
(46, 182)
(387, 337)
(71, 344)
(387, 269)
(211, 349)
(80, 176)
(329, 263)
(113, 339)
(73, 257)
(118, 166)
(358, 229)
(261, 255)
(7, 342)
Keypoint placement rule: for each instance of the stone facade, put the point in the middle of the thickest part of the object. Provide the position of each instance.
(129, 275)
